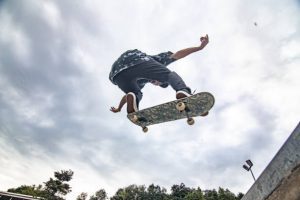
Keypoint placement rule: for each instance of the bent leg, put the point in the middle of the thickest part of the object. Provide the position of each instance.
(177, 83)
(155, 71)
(152, 70)
(130, 87)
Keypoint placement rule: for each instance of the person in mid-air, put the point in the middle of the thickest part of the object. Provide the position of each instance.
(133, 69)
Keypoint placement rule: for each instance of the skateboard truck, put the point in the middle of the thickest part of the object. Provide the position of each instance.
(181, 106)
(135, 119)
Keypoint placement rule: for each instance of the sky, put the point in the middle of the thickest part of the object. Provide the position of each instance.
(55, 95)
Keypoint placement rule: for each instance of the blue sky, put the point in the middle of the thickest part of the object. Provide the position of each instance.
(55, 57)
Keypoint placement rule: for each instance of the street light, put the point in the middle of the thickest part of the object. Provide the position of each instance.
(248, 167)
(249, 163)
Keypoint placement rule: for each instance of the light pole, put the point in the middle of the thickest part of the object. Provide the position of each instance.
(248, 167)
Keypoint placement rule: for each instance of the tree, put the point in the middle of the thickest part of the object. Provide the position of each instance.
(239, 196)
(179, 191)
(155, 192)
(35, 191)
(82, 196)
(64, 175)
(54, 189)
(222, 194)
(195, 194)
(225, 194)
(211, 195)
(129, 193)
(99, 195)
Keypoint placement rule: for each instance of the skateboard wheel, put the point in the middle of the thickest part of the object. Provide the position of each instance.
(180, 106)
(145, 129)
(134, 118)
(190, 121)
(204, 114)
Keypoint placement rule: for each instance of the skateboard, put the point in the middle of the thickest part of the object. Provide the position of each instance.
(188, 107)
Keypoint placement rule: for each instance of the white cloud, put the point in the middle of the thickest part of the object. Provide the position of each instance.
(55, 93)
(51, 13)
(14, 39)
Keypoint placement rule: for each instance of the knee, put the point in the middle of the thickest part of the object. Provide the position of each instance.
(138, 95)
(172, 75)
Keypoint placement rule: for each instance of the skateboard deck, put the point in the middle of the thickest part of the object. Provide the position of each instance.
(189, 107)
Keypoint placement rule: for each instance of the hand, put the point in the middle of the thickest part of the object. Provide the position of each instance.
(204, 41)
(114, 110)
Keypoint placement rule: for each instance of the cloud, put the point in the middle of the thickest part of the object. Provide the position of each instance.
(55, 94)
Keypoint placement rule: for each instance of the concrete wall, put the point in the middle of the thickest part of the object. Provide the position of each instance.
(279, 172)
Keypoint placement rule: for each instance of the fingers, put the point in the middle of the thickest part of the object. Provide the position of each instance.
(113, 109)
(204, 37)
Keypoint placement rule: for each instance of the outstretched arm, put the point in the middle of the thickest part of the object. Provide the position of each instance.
(185, 52)
(122, 102)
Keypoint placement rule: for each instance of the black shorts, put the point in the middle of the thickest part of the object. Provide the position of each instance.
(152, 70)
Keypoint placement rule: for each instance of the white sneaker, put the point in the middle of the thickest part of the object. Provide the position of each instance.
(182, 94)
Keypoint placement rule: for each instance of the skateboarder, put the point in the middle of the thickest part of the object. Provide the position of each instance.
(133, 69)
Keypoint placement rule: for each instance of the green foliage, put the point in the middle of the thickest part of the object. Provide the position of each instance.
(195, 194)
(211, 195)
(130, 192)
(56, 188)
(141, 193)
(222, 194)
(100, 195)
(239, 196)
(178, 192)
(64, 175)
(225, 194)
(53, 189)
(35, 191)
(82, 196)
(156, 192)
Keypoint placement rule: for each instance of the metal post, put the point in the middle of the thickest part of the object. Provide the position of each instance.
(248, 167)
(252, 175)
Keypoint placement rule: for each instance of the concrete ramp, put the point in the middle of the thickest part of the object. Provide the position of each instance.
(281, 178)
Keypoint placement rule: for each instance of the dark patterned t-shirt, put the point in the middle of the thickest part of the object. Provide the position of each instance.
(134, 57)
